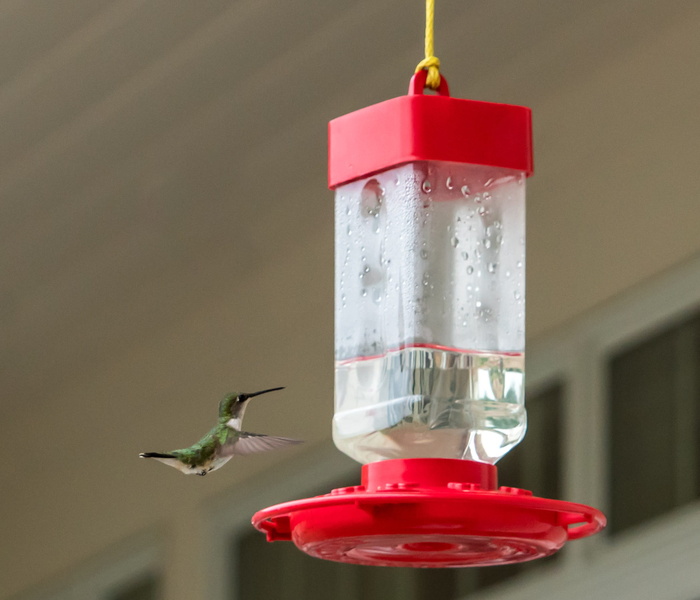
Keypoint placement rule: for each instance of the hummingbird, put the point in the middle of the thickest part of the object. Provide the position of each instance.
(224, 440)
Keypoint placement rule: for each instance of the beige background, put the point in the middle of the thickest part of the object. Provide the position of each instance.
(166, 232)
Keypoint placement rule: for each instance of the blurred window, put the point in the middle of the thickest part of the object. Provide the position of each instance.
(654, 410)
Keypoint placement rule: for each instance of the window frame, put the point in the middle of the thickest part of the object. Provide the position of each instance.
(102, 575)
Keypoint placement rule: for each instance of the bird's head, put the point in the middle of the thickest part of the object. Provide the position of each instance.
(228, 403)
(233, 403)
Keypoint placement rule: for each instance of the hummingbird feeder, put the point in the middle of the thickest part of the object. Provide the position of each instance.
(429, 341)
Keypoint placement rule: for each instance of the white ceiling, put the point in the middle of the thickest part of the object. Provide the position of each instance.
(153, 152)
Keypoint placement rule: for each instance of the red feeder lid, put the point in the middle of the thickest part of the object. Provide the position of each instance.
(428, 512)
(428, 127)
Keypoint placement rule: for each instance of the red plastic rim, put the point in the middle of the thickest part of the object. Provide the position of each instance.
(428, 513)
(424, 127)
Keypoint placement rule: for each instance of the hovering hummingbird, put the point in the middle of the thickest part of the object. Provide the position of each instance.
(225, 440)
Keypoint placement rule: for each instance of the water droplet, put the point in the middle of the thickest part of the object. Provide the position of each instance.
(465, 323)
(449, 184)
(465, 190)
(487, 196)
(492, 267)
(377, 296)
(497, 224)
(517, 295)
(487, 243)
(372, 198)
(427, 186)
(470, 270)
(366, 269)
(507, 273)
(454, 241)
(519, 264)
(423, 253)
(364, 292)
(348, 211)
(488, 231)
(489, 182)
(465, 255)
(478, 303)
(477, 198)
(426, 280)
(349, 230)
(483, 211)
(477, 253)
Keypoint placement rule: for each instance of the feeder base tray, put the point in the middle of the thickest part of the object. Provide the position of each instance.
(428, 513)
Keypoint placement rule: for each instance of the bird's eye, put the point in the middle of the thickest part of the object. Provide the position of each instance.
(241, 398)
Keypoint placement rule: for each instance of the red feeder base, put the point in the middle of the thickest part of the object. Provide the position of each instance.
(428, 512)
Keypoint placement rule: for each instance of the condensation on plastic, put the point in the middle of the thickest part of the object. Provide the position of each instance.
(430, 313)
(430, 253)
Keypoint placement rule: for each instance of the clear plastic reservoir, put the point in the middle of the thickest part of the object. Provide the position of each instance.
(430, 313)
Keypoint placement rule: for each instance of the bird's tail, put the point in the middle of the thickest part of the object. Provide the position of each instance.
(156, 455)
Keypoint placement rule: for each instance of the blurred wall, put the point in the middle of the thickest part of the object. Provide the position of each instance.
(166, 230)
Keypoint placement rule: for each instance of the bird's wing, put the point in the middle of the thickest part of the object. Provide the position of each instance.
(249, 443)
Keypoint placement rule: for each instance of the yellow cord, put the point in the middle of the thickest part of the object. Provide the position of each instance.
(430, 62)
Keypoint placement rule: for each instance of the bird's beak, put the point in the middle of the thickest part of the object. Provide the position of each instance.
(264, 392)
